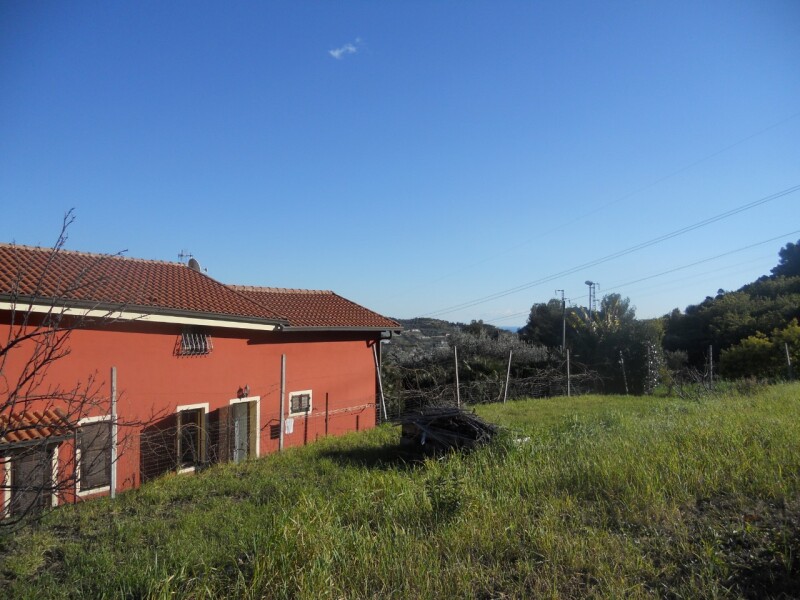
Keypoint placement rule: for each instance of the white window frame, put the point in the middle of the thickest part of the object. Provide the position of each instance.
(5, 499)
(302, 412)
(257, 400)
(54, 472)
(101, 489)
(178, 409)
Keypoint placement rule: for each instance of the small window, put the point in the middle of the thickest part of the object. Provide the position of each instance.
(274, 431)
(299, 403)
(195, 343)
(191, 437)
(94, 444)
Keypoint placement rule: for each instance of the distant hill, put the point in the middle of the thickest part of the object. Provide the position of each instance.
(428, 327)
(511, 328)
(423, 335)
(420, 336)
(438, 327)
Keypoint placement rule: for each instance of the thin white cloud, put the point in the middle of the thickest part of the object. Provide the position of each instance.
(348, 48)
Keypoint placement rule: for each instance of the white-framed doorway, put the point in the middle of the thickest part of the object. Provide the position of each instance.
(245, 416)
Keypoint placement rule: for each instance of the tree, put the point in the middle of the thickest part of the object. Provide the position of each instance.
(761, 356)
(481, 329)
(625, 351)
(615, 313)
(39, 413)
(789, 264)
(544, 326)
(725, 320)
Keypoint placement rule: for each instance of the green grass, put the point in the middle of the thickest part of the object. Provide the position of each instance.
(582, 497)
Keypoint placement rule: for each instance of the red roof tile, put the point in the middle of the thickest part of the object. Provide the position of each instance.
(317, 308)
(106, 281)
(33, 425)
(115, 281)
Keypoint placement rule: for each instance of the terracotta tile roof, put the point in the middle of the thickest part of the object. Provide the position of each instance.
(317, 308)
(33, 425)
(115, 281)
(105, 281)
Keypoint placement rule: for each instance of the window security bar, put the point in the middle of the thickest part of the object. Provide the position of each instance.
(195, 344)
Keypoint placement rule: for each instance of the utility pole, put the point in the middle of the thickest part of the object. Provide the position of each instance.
(458, 390)
(569, 387)
(592, 297)
(563, 321)
(508, 376)
(624, 375)
(380, 380)
(711, 365)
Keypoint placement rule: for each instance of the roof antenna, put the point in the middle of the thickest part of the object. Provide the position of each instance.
(192, 264)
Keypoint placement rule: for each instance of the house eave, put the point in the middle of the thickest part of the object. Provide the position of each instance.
(148, 314)
(342, 329)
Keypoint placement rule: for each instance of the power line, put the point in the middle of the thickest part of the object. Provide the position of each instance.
(658, 290)
(626, 251)
(705, 260)
(672, 270)
(675, 284)
(622, 198)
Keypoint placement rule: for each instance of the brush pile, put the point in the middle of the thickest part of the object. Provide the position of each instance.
(438, 429)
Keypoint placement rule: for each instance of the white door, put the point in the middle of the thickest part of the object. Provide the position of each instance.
(241, 431)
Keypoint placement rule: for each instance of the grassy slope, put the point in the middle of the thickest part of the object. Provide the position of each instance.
(592, 496)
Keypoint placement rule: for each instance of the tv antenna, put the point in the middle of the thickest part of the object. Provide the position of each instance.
(192, 264)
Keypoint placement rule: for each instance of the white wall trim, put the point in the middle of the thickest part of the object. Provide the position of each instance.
(123, 315)
(54, 475)
(5, 501)
(182, 407)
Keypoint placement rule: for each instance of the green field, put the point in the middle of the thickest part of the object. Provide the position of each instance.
(597, 496)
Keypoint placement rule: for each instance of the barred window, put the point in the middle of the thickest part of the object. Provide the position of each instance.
(195, 343)
(300, 403)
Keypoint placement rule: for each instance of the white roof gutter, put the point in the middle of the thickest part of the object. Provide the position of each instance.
(135, 315)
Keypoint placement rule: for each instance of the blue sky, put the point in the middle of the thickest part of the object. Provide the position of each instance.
(412, 156)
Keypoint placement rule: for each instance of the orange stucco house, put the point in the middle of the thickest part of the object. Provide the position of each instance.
(115, 370)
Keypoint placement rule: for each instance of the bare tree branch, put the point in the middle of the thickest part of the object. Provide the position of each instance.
(43, 448)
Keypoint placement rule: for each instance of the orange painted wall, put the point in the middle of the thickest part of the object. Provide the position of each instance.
(152, 381)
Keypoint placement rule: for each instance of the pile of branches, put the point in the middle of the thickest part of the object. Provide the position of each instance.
(421, 388)
(438, 429)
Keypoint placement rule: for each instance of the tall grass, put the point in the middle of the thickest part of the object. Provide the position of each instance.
(583, 497)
